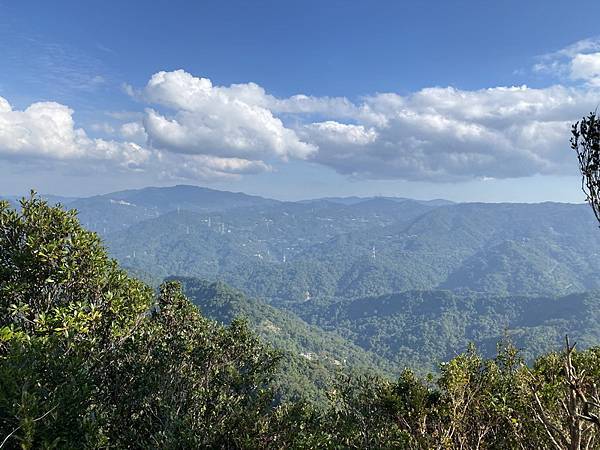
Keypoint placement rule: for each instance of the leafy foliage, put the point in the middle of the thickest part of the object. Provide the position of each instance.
(312, 358)
(585, 140)
(90, 357)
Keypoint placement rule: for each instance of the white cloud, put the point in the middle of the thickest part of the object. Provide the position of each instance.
(436, 134)
(47, 130)
(193, 129)
(586, 67)
(446, 134)
(134, 131)
(582, 46)
(577, 62)
(217, 121)
(340, 133)
(194, 167)
(330, 107)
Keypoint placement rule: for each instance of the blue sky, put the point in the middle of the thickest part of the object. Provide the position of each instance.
(467, 100)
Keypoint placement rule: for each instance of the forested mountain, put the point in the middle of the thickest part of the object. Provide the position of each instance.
(118, 210)
(91, 357)
(408, 281)
(312, 356)
(241, 242)
(507, 248)
(285, 251)
(416, 329)
(421, 328)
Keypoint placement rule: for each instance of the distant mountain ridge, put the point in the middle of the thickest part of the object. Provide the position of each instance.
(193, 198)
(118, 210)
(380, 280)
(353, 200)
(351, 247)
(280, 251)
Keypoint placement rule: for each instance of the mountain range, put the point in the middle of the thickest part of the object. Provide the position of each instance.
(358, 283)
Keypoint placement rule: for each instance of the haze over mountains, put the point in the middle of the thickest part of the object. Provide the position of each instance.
(367, 282)
(348, 247)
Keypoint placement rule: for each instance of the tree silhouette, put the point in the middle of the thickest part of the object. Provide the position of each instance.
(585, 140)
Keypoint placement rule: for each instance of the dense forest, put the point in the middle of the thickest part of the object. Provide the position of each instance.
(405, 283)
(90, 357)
(280, 251)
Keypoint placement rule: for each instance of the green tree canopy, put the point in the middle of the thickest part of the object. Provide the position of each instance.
(90, 357)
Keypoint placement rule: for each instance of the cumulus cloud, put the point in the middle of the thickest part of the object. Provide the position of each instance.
(446, 134)
(134, 131)
(340, 133)
(586, 67)
(47, 130)
(218, 121)
(577, 62)
(202, 167)
(193, 129)
(435, 134)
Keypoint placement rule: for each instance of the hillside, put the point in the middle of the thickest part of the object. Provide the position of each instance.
(312, 356)
(547, 248)
(422, 328)
(265, 246)
(376, 246)
(417, 329)
(408, 281)
(119, 210)
(108, 359)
